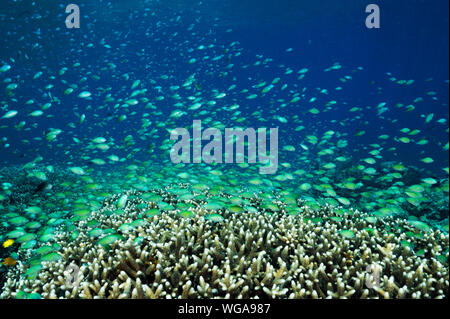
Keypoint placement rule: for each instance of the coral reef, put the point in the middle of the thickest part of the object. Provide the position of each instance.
(326, 253)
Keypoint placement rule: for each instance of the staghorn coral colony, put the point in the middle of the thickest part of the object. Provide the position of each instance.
(174, 243)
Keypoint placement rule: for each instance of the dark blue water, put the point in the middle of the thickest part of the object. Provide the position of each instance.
(412, 43)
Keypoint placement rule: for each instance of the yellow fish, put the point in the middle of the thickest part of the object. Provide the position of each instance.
(8, 243)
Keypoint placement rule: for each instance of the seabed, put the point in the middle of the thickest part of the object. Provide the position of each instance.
(177, 233)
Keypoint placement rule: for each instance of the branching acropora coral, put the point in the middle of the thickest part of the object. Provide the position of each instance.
(260, 254)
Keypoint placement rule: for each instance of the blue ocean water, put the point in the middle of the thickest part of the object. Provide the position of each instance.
(86, 113)
(412, 43)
